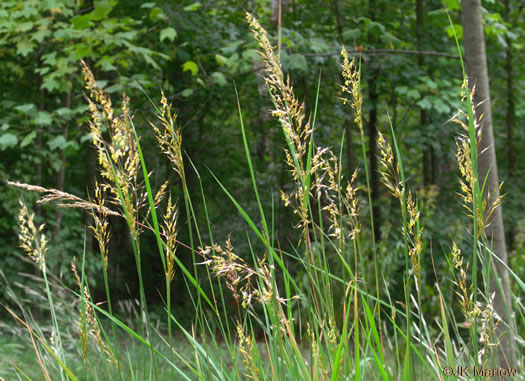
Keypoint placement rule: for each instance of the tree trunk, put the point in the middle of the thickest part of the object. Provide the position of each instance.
(423, 115)
(372, 132)
(476, 58)
(511, 109)
(347, 126)
(62, 172)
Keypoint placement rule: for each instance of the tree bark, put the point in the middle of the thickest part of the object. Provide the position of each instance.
(511, 106)
(62, 172)
(372, 132)
(347, 126)
(476, 59)
(428, 151)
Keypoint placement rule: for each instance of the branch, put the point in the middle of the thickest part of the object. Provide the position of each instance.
(328, 54)
(384, 52)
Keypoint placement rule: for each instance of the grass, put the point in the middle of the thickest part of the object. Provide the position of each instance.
(333, 319)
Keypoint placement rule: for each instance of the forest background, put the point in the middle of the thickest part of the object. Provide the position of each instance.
(196, 52)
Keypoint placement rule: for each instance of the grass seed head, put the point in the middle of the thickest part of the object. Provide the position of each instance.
(88, 318)
(32, 239)
(351, 86)
(169, 230)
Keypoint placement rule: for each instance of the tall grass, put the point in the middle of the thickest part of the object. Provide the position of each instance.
(337, 321)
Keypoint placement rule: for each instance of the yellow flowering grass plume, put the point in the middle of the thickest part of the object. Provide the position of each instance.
(351, 87)
(169, 136)
(290, 113)
(472, 311)
(32, 238)
(467, 181)
(118, 156)
(238, 275)
(391, 178)
(88, 324)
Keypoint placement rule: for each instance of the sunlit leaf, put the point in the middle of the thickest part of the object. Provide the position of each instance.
(190, 66)
(26, 108)
(219, 78)
(25, 47)
(7, 141)
(168, 33)
(57, 142)
(42, 118)
(28, 139)
(187, 92)
(193, 7)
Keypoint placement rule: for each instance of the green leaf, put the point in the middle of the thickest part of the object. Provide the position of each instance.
(50, 84)
(201, 82)
(441, 106)
(8, 140)
(40, 35)
(221, 60)
(187, 93)
(148, 5)
(190, 66)
(25, 47)
(424, 104)
(169, 33)
(193, 7)
(116, 88)
(389, 38)
(42, 118)
(83, 50)
(452, 5)
(24, 27)
(26, 108)
(102, 9)
(352, 34)
(50, 58)
(219, 78)
(231, 47)
(64, 112)
(28, 139)
(50, 4)
(430, 83)
(80, 21)
(298, 62)
(250, 55)
(86, 138)
(456, 30)
(106, 63)
(413, 94)
(376, 28)
(57, 142)
(156, 14)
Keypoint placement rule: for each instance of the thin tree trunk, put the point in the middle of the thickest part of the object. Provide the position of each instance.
(62, 173)
(487, 167)
(338, 20)
(423, 115)
(510, 116)
(511, 106)
(372, 148)
(347, 126)
(372, 133)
